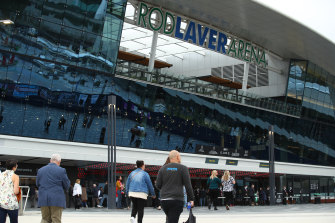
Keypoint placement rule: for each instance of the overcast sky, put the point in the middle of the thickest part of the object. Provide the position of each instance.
(318, 15)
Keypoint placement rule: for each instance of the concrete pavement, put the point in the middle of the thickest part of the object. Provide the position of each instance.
(306, 213)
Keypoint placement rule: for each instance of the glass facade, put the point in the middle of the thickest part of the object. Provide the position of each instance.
(57, 61)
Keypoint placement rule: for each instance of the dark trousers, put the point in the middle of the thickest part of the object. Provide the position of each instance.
(138, 208)
(12, 214)
(213, 196)
(228, 197)
(119, 199)
(172, 209)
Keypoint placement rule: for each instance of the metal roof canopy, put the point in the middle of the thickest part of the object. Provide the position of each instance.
(259, 24)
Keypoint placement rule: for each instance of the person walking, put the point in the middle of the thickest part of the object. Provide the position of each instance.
(228, 188)
(104, 196)
(51, 181)
(138, 187)
(77, 192)
(9, 188)
(170, 181)
(202, 196)
(213, 184)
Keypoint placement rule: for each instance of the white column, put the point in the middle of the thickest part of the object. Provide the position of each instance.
(153, 51)
(245, 77)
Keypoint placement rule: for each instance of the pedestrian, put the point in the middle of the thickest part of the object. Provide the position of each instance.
(51, 181)
(171, 179)
(77, 192)
(285, 195)
(251, 194)
(119, 186)
(156, 201)
(228, 188)
(32, 194)
(84, 196)
(262, 196)
(104, 196)
(202, 196)
(9, 204)
(95, 195)
(138, 187)
(213, 184)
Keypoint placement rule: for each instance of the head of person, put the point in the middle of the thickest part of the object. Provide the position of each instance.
(106, 182)
(94, 185)
(252, 186)
(11, 164)
(100, 188)
(226, 175)
(174, 157)
(214, 174)
(120, 178)
(77, 181)
(55, 158)
(140, 164)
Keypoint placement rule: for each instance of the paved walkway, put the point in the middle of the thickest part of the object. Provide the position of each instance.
(306, 213)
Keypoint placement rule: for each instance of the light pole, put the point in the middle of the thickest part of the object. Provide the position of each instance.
(111, 128)
(272, 165)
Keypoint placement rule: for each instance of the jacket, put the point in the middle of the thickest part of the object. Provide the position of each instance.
(77, 190)
(214, 183)
(140, 182)
(51, 181)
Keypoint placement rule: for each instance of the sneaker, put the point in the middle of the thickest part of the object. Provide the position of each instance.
(132, 220)
(159, 208)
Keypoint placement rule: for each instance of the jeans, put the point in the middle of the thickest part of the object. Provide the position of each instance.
(12, 214)
(202, 201)
(138, 208)
(105, 196)
(119, 199)
(172, 209)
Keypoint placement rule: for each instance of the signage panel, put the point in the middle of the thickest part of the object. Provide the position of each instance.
(168, 23)
(264, 165)
(232, 162)
(212, 160)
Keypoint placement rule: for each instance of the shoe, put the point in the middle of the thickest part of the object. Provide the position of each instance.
(227, 207)
(132, 220)
(159, 208)
(215, 209)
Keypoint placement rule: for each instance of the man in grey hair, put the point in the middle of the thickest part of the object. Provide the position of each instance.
(51, 181)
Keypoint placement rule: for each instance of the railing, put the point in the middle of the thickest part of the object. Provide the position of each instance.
(195, 86)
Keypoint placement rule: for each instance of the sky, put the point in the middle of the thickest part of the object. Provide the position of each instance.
(318, 15)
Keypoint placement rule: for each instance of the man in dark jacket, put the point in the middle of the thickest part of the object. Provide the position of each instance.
(171, 179)
(251, 194)
(51, 181)
(95, 195)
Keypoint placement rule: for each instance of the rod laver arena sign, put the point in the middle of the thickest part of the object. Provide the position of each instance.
(165, 22)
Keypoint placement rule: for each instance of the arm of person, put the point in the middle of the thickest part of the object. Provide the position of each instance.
(149, 185)
(188, 185)
(16, 182)
(65, 181)
(128, 182)
(234, 182)
(159, 180)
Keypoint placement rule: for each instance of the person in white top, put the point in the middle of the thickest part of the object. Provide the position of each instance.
(9, 188)
(228, 187)
(77, 192)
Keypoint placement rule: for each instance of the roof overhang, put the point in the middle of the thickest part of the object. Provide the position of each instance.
(258, 24)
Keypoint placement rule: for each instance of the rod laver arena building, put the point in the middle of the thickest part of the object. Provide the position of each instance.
(207, 79)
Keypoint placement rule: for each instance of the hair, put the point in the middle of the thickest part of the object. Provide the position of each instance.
(56, 158)
(77, 181)
(139, 163)
(213, 174)
(10, 164)
(167, 161)
(226, 175)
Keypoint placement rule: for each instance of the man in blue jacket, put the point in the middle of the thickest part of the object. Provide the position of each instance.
(51, 181)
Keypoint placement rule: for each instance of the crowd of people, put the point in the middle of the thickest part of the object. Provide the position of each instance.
(170, 191)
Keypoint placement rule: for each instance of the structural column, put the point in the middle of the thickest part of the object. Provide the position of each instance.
(245, 79)
(153, 51)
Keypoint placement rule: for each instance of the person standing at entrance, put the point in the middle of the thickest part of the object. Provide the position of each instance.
(119, 187)
(213, 184)
(9, 188)
(228, 187)
(170, 181)
(138, 187)
(77, 192)
(51, 181)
